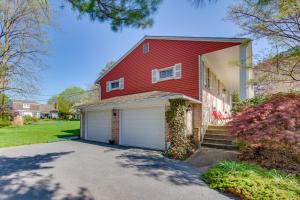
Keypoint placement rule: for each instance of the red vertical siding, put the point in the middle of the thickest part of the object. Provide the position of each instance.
(136, 67)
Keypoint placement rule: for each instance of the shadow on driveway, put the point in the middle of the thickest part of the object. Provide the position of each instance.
(152, 164)
(19, 178)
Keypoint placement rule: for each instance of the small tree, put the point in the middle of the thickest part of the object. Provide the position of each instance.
(271, 130)
(68, 98)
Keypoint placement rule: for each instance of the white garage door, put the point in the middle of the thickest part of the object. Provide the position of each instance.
(99, 126)
(143, 127)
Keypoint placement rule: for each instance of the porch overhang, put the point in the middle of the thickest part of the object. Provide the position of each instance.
(233, 66)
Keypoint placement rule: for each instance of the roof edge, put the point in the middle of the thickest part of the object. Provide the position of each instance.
(156, 99)
(207, 39)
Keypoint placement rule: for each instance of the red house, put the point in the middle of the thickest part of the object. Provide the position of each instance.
(135, 91)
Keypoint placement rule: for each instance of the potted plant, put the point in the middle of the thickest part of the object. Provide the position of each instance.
(111, 142)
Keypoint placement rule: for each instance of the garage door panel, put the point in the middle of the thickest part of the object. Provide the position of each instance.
(99, 126)
(143, 128)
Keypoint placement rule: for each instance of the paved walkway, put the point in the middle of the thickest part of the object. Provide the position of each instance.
(205, 158)
(84, 171)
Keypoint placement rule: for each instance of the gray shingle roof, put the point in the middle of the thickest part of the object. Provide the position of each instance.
(139, 97)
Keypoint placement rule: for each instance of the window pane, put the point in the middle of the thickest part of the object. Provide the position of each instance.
(114, 85)
(166, 73)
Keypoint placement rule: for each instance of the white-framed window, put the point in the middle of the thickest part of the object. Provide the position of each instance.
(26, 105)
(168, 73)
(146, 48)
(115, 85)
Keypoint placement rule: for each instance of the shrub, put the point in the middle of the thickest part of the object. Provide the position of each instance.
(270, 126)
(250, 181)
(29, 120)
(238, 105)
(4, 122)
(180, 147)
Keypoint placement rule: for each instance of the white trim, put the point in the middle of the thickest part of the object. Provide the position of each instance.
(120, 127)
(200, 77)
(81, 122)
(207, 39)
(86, 125)
(243, 73)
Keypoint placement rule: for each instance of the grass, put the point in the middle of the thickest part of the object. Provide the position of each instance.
(40, 132)
(252, 182)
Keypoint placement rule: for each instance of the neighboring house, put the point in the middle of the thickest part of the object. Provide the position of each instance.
(274, 74)
(273, 84)
(26, 107)
(33, 109)
(48, 111)
(135, 91)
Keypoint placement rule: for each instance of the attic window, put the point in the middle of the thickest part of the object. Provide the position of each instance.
(146, 48)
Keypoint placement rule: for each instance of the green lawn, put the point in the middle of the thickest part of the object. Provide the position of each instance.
(40, 132)
(253, 182)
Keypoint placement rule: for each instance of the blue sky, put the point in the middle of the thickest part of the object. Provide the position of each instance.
(79, 48)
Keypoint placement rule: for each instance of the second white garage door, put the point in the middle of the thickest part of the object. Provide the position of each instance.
(143, 127)
(99, 126)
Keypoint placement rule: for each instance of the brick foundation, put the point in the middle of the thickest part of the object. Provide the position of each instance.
(115, 129)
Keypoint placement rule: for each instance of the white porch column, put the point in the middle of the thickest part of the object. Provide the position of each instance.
(246, 90)
(243, 72)
(200, 77)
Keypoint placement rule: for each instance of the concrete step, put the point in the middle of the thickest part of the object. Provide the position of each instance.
(218, 141)
(219, 136)
(216, 131)
(220, 146)
(217, 127)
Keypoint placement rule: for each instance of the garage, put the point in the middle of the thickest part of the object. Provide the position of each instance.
(98, 126)
(143, 127)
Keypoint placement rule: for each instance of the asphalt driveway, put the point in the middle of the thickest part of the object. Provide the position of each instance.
(86, 171)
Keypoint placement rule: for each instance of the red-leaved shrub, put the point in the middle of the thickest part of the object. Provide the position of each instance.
(270, 126)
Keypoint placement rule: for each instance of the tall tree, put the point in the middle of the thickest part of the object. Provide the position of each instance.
(93, 93)
(69, 97)
(120, 13)
(278, 21)
(21, 44)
